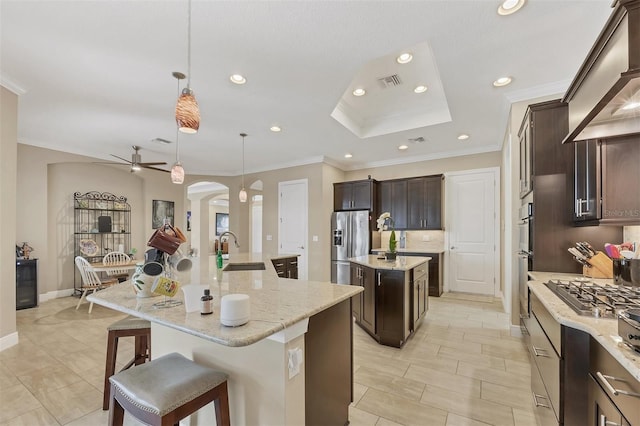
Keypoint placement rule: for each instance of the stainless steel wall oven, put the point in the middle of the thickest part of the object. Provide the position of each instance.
(525, 255)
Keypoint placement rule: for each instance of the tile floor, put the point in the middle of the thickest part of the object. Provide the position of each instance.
(460, 368)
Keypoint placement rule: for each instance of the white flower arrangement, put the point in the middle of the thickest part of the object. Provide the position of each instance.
(382, 220)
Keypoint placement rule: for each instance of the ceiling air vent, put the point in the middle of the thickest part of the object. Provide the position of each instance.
(419, 139)
(390, 81)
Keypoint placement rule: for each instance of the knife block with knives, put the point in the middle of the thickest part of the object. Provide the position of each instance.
(601, 266)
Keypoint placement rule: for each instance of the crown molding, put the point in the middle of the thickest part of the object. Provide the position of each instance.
(557, 87)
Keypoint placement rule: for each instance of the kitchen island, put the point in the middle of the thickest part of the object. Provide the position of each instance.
(394, 299)
(290, 364)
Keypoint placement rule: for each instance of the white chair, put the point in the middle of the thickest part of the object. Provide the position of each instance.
(116, 258)
(90, 280)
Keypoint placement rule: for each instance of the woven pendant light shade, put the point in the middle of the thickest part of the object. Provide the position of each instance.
(187, 112)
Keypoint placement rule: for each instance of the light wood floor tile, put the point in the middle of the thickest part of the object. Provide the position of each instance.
(524, 417)
(470, 407)
(7, 377)
(358, 417)
(83, 361)
(456, 420)
(400, 386)
(396, 367)
(15, 401)
(358, 391)
(72, 402)
(48, 379)
(401, 410)
(38, 417)
(506, 395)
(518, 355)
(29, 363)
(457, 344)
(494, 376)
(473, 358)
(518, 367)
(386, 422)
(463, 385)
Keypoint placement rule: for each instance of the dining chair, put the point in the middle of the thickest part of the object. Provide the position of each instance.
(90, 280)
(116, 258)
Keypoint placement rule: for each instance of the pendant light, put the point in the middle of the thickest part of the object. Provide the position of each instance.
(187, 111)
(177, 171)
(243, 193)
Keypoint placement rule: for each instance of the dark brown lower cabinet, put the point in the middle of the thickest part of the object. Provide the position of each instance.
(286, 267)
(392, 307)
(329, 367)
(364, 304)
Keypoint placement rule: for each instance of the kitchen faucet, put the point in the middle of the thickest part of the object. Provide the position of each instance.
(235, 238)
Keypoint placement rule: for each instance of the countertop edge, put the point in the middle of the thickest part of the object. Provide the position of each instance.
(562, 313)
(372, 261)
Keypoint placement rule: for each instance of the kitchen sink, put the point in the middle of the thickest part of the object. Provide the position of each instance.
(247, 266)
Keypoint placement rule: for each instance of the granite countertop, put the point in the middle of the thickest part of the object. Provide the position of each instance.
(276, 303)
(402, 263)
(604, 330)
(439, 248)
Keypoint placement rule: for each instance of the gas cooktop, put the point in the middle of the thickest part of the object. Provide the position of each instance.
(597, 300)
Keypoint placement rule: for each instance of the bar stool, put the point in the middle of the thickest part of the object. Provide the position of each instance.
(128, 327)
(166, 390)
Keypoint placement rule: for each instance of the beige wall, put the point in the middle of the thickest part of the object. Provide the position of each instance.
(47, 182)
(8, 171)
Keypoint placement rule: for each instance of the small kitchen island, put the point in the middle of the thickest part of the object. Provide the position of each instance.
(395, 296)
(290, 364)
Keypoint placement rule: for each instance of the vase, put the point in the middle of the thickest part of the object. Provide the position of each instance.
(390, 255)
(142, 282)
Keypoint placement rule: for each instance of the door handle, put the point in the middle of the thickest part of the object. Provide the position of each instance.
(537, 403)
(603, 379)
(453, 247)
(379, 279)
(540, 352)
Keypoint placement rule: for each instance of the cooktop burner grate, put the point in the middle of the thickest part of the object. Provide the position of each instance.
(598, 300)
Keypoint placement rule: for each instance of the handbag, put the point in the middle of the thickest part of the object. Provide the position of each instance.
(165, 239)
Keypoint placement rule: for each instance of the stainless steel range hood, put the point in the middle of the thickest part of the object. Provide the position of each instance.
(602, 96)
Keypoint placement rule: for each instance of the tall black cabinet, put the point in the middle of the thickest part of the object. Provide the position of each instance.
(26, 283)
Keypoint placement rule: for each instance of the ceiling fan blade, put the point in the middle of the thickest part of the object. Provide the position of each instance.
(110, 162)
(123, 159)
(155, 168)
(152, 164)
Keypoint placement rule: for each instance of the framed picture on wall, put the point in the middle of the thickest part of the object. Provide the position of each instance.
(222, 223)
(161, 210)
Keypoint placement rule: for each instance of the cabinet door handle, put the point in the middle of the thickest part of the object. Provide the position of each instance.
(379, 279)
(603, 379)
(542, 352)
(537, 403)
(604, 422)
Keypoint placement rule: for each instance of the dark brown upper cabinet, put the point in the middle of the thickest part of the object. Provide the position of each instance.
(526, 155)
(424, 202)
(620, 180)
(586, 181)
(393, 199)
(355, 195)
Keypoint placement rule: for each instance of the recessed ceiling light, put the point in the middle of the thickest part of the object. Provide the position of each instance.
(404, 58)
(420, 89)
(403, 147)
(359, 92)
(238, 79)
(275, 128)
(507, 7)
(463, 137)
(347, 155)
(502, 81)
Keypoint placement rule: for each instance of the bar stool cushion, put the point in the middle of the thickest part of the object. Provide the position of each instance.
(129, 323)
(166, 383)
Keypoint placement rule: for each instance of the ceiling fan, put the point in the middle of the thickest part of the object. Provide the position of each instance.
(136, 162)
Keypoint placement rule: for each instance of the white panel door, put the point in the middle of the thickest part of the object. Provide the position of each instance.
(472, 224)
(292, 227)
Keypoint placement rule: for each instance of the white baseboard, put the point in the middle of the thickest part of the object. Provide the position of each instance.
(54, 295)
(9, 340)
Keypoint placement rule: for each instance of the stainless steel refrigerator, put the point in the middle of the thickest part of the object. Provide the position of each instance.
(350, 237)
